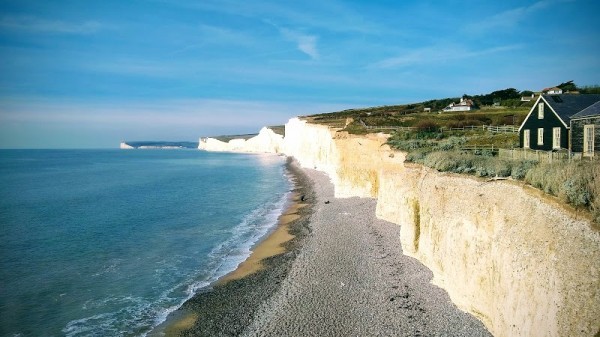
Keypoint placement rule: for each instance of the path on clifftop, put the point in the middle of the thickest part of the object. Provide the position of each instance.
(351, 279)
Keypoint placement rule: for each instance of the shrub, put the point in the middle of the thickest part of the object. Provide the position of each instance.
(416, 156)
(427, 125)
(574, 182)
(520, 168)
(450, 143)
(594, 188)
(502, 168)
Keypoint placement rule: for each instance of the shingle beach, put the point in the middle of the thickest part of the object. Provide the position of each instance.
(343, 274)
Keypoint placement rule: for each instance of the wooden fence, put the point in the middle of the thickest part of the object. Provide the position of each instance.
(481, 149)
(501, 129)
(538, 155)
(490, 128)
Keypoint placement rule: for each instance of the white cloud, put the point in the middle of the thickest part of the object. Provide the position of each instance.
(34, 24)
(436, 54)
(304, 42)
(510, 18)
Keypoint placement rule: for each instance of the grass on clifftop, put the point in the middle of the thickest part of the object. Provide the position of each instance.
(352, 120)
(574, 182)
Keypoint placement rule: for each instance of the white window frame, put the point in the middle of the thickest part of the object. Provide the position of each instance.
(527, 139)
(556, 138)
(540, 136)
(540, 110)
(588, 140)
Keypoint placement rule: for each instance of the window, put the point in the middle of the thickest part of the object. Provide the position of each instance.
(556, 138)
(526, 139)
(541, 111)
(540, 136)
(588, 140)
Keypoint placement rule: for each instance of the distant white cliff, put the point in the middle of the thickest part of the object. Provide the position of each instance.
(125, 146)
(266, 141)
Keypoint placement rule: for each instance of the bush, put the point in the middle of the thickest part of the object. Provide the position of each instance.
(450, 143)
(576, 183)
(520, 168)
(427, 125)
(416, 156)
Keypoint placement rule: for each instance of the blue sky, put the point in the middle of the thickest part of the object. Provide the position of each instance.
(92, 73)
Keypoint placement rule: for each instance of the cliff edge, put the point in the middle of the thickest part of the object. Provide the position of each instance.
(519, 260)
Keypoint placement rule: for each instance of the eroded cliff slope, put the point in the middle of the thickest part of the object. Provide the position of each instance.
(518, 260)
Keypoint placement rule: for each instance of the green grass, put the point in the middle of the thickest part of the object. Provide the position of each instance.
(408, 115)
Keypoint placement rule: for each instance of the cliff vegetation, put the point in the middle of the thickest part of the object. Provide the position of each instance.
(476, 153)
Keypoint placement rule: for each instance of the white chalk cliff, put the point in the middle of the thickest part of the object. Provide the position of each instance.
(266, 141)
(125, 146)
(519, 260)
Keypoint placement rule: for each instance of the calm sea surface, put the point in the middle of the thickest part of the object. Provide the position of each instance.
(108, 242)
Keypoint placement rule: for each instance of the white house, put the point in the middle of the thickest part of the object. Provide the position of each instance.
(528, 98)
(553, 91)
(463, 105)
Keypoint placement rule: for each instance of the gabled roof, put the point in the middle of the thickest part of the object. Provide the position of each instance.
(566, 105)
(592, 110)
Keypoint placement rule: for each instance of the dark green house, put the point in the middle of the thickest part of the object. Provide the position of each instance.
(585, 130)
(548, 123)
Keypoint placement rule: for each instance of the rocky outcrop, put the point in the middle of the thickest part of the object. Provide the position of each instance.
(266, 141)
(518, 260)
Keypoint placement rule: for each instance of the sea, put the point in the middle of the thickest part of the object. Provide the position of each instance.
(109, 242)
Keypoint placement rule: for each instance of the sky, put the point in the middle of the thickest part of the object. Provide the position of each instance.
(88, 74)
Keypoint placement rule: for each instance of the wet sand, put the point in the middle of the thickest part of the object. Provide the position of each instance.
(340, 272)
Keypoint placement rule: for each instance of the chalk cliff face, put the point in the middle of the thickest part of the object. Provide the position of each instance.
(518, 260)
(521, 262)
(266, 141)
(125, 146)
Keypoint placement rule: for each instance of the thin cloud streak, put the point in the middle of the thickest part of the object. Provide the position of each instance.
(436, 54)
(328, 15)
(510, 18)
(38, 25)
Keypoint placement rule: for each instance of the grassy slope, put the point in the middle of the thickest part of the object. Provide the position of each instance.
(576, 183)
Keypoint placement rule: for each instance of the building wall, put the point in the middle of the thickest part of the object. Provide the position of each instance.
(577, 133)
(549, 122)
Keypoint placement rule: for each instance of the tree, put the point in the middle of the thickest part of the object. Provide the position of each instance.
(526, 93)
(568, 86)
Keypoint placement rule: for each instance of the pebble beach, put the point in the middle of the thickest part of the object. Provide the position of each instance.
(342, 273)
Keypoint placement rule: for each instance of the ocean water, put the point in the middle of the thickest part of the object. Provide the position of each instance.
(108, 242)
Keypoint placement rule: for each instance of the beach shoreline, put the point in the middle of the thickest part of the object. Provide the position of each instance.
(211, 312)
(343, 273)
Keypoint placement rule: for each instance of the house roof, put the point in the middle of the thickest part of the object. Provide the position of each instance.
(592, 110)
(553, 88)
(566, 105)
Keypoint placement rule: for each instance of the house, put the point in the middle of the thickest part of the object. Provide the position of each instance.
(547, 125)
(585, 130)
(463, 105)
(552, 91)
(528, 98)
